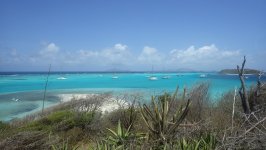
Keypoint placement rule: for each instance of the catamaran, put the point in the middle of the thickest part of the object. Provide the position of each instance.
(152, 77)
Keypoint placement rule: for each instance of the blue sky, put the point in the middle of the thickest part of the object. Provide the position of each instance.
(131, 35)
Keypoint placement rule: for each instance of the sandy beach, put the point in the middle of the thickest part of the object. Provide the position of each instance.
(110, 103)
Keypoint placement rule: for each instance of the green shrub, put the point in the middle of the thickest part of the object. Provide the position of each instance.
(3, 126)
(64, 146)
(59, 116)
(120, 139)
(61, 121)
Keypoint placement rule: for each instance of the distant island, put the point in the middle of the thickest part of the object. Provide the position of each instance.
(234, 71)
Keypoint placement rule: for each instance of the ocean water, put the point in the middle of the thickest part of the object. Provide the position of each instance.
(22, 93)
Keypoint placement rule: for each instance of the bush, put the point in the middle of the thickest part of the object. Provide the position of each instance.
(59, 116)
(200, 103)
(27, 140)
(3, 126)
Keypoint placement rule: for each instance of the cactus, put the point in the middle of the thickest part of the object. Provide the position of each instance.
(120, 136)
(161, 123)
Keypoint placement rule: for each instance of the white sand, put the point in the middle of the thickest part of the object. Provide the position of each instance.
(69, 97)
(110, 103)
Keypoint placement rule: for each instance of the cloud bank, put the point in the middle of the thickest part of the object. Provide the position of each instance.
(120, 56)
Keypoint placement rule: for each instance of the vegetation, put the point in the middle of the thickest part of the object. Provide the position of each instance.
(187, 120)
(161, 120)
(177, 121)
(234, 71)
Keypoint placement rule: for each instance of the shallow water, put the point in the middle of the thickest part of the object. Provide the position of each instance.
(22, 93)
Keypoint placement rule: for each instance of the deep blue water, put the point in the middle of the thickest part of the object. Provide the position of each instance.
(28, 87)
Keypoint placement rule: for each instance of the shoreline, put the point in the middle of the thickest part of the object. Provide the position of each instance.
(235, 74)
(109, 104)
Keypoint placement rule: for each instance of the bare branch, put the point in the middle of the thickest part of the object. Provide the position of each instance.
(242, 90)
(254, 126)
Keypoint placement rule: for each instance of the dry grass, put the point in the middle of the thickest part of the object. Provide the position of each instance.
(204, 117)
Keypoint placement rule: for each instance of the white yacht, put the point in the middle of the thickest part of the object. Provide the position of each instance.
(115, 77)
(153, 78)
(165, 77)
(62, 78)
(203, 76)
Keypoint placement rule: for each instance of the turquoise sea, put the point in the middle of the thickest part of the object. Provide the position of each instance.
(22, 93)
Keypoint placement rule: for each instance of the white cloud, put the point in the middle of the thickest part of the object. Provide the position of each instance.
(49, 49)
(206, 57)
(85, 53)
(15, 56)
(150, 55)
(118, 55)
(120, 46)
(14, 52)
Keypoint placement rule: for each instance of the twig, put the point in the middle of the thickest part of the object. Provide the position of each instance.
(233, 112)
(254, 126)
(224, 139)
(188, 125)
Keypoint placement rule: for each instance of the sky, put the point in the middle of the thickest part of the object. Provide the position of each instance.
(100, 35)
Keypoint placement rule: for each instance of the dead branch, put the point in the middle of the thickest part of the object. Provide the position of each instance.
(242, 89)
(233, 111)
(254, 126)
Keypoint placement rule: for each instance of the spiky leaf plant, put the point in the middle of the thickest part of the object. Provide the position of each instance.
(206, 142)
(161, 122)
(120, 139)
(64, 146)
(120, 136)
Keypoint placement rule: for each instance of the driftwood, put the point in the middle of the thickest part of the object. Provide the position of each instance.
(242, 90)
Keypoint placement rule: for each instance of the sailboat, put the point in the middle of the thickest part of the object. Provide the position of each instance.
(203, 76)
(152, 77)
(115, 77)
(61, 77)
(165, 77)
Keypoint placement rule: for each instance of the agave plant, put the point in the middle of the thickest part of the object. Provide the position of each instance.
(106, 145)
(161, 122)
(183, 144)
(120, 136)
(64, 146)
(207, 142)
